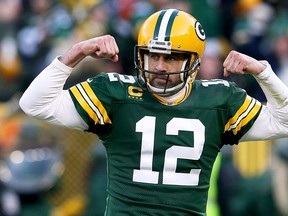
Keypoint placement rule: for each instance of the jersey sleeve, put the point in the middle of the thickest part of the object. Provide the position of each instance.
(243, 110)
(93, 100)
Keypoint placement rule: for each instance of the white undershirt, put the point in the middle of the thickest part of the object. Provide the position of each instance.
(46, 99)
(272, 122)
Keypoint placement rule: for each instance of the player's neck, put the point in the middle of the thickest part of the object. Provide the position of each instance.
(177, 98)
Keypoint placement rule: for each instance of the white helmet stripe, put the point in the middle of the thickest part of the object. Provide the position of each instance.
(164, 24)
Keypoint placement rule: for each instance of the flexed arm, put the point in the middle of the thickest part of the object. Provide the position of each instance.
(272, 122)
(45, 98)
(99, 47)
(274, 89)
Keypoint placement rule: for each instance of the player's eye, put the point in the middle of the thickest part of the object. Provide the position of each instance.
(154, 56)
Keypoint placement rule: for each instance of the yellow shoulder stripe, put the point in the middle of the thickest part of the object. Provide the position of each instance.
(244, 114)
(248, 118)
(90, 103)
(97, 102)
(239, 112)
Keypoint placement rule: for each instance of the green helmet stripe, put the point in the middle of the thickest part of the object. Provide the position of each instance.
(158, 23)
(164, 25)
(169, 26)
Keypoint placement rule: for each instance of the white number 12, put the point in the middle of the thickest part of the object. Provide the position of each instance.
(170, 177)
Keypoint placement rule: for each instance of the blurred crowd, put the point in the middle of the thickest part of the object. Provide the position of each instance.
(34, 32)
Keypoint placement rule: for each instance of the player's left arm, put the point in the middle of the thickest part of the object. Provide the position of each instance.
(272, 121)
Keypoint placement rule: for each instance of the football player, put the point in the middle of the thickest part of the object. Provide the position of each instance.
(162, 129)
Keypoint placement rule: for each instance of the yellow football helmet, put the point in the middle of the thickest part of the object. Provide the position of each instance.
(164, 32)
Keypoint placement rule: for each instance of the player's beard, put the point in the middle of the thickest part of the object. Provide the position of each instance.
(164, 81)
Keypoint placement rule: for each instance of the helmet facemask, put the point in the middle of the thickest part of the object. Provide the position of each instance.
(187, 73)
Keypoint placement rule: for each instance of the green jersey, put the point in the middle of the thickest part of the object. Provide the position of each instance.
(160, 157)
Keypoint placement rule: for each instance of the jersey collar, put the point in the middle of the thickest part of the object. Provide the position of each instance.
(177, 98)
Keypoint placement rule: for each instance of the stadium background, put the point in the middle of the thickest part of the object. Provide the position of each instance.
(250, 178)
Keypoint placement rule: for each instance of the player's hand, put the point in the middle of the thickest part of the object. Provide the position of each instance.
(239, 63)
(98, 47)
(101, 47)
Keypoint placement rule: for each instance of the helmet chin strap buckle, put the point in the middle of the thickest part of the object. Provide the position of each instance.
(156, 46)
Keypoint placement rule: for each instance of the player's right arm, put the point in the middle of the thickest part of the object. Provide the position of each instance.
(99, 47)
(46, 99)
